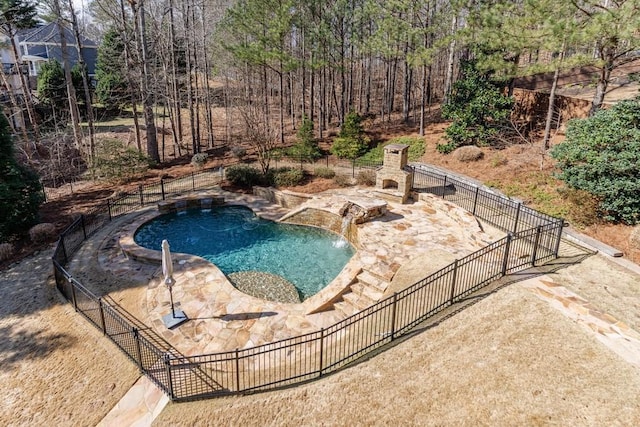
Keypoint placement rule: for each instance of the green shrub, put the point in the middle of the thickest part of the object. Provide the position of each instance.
(115, 161)
(601, 155)
(199, 159)
(20, 190)
(348, 148)
(477, 108)
(584, 208)
(366, 177)
(286, 177)
(239, 152)
(306, 147)
(351, 141)
(244, 176)
(324, 172)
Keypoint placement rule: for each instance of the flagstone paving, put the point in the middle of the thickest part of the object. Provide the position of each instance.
(223, 319)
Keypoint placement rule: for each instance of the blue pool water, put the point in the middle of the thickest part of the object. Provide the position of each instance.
(235, 239)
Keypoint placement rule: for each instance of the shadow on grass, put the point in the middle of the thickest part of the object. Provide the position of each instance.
(19, 345)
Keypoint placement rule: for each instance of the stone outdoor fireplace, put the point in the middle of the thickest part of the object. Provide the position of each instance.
(394, 179)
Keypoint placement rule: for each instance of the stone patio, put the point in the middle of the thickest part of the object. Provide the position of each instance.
(222, 318)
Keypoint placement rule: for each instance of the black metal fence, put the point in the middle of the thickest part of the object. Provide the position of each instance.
(532, 238)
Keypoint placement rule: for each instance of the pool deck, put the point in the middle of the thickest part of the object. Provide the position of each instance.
(221, 318)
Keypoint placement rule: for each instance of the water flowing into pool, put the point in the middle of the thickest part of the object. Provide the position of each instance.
(235, 239)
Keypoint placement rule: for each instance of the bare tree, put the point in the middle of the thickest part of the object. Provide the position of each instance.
(259, 134)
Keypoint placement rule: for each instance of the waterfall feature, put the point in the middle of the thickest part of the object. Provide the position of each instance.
(344, 229)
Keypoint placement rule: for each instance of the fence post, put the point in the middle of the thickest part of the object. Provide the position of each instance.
(102, 322)
(237, 372)
(167, 365)
(141, 195)
(454, 277)
(73, 294)
(84, 229)
(507, 247)
(535, 246)
(64, 251)
(321, 351)
(193, 182)
(162, 187)
(44, 192)
(109, 209)
(393, 316)
(515, 225)
(136, 337)
(353, 168)
(475, 201)
(444, 186)
(327, 157)
(560, 227)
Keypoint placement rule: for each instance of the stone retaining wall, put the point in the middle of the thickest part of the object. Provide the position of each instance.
(286, 199)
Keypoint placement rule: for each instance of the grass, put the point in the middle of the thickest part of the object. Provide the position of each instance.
(537, 189)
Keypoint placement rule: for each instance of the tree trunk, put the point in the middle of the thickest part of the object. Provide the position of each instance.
(281, 102)
(26, 92)
(189, 71)
(207, 86)
(133, 90)
(85, 83)
(607, 55)
(177, 129)
(552, 100)
(197, 75)
(19, 112)
(147, 102)
(71, 91)
(448, 82)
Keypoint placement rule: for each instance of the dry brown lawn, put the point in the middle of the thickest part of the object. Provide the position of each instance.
(55, 368)
(510, 359)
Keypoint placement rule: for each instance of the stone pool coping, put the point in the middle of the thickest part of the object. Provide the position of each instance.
(221, 318)
(138, 253)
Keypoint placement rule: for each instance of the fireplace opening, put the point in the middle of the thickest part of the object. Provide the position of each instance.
(389, 184)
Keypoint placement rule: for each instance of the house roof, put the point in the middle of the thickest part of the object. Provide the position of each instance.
(49, 34)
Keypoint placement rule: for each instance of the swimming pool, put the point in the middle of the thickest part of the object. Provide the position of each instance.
(235, 240)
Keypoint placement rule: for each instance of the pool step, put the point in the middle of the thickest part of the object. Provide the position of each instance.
(382, 270)
(372, 281)
(359, 302)
(365, 292)
(345, 308)
(370, 292)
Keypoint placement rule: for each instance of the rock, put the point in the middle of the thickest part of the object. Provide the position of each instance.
(6, 251)
(468, 153)
(42, 233)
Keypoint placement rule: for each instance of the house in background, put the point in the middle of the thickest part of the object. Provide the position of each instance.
(35, 47)
(42, 44)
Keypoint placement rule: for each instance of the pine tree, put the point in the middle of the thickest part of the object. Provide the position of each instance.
(112, 87)
(20, 190)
